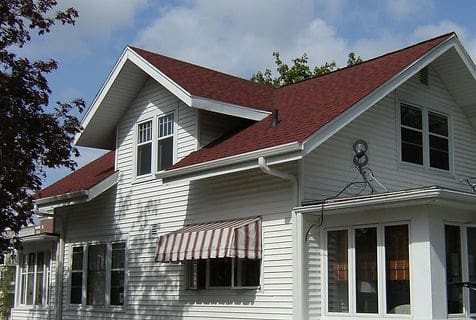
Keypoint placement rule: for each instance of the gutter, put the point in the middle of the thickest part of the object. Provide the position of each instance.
(232, 160)
(422, 196)
(297, 241)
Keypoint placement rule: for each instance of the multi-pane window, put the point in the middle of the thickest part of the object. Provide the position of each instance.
(224, 273)
(356, 260)
(460, 252)
(165, 143)
(34, 278)
(98, 274)
(155, 144)
(144, 148)
(424, 137)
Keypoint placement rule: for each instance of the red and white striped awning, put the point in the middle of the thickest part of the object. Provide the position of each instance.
(230, 239)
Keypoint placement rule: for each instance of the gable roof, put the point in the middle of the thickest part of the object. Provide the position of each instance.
(306, 107)
(81, 180)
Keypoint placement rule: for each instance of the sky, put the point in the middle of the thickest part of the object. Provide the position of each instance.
(237, 37)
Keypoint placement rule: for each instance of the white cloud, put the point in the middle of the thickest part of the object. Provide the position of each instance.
(97, 21)
(408, 9)
(239, 37)
(432, 30)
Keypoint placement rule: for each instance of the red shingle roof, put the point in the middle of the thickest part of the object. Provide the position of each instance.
(207, 83)
(84, 178)
(307, 106)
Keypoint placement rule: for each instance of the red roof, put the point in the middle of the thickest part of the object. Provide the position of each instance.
(207, 83)
(307, 106)
(84, 178)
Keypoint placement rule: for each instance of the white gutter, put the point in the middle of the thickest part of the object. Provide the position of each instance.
(288, 148)
(80, 196)
(430, 195)
(298, 239)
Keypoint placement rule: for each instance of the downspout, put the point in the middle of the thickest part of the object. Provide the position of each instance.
(298, 239)
(60, 268)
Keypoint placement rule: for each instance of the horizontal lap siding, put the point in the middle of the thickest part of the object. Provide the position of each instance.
(329, 168)
(157, 290)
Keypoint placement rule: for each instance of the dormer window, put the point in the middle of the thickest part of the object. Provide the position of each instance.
(424, 137)
(144, 148)
(165, 143)
(155, 144)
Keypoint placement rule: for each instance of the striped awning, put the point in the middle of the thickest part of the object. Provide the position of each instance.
(230, 239)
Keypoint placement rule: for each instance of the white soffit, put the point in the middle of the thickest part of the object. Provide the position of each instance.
(328, 130)
(121, 87)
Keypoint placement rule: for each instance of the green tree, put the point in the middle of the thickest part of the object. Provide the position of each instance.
(32, 134)
(299, 71)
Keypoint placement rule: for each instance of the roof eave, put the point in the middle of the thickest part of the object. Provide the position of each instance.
(80, 196)
(278, 154)
(433, 195)
(339, 122)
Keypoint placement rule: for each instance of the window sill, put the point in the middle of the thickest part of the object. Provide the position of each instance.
(34, 308)
(426, 170)
(115, 309)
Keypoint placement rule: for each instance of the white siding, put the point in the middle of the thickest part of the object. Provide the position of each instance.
(129, 210)
(329, 168)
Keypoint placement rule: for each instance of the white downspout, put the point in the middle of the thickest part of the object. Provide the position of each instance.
(60, 268)
(298, 240)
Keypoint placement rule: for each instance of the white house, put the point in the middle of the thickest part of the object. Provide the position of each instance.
(348, 195)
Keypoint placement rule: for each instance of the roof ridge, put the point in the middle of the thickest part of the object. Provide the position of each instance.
(201, 67)
(374, 58)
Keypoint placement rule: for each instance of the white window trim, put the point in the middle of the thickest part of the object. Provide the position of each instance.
(107, 293)
(154, 117)
(46, 280)
(232, 286)
(381, 272)
(426, 143)
(464, 266)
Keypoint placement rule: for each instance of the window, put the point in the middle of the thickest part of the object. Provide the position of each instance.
(159, 155)
(34, 278)
(224, 273)
(97, 274)
(144, 148)
(165, 142)
(356, 260)
(460, 243)
(424, 137)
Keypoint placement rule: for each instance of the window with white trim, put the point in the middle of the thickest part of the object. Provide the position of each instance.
(97, 274)
(234, 273)
(34, 278)
(424, 137)
(460, 249)
(356, 258)
(155, 144)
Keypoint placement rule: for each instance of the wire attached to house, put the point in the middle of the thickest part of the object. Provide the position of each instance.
(360, 161)
(469, 182)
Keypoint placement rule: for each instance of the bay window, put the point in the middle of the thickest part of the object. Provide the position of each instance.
(357, 259)
(155, 140)
(97, 274)
(460, 249)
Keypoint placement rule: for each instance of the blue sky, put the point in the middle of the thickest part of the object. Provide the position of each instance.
(237, 37)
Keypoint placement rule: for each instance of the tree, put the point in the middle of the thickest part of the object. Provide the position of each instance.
(32, 134)
(299, 71)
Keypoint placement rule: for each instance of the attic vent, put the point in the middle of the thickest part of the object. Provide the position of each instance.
(154, 229)
(424, 76)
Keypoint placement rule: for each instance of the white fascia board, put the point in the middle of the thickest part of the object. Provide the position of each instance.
(413, 197)
(468, 62)
(77, 197)
(130, 55)
(283, 153)
(39, 238)
(228, 108)
(335, 125)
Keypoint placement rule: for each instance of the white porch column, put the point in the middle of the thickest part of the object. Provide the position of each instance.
(299, 305)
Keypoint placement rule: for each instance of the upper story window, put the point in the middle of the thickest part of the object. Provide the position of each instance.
(159, 155)
(165, 143)
(34, 278)
(424, 137)
(97, 274)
